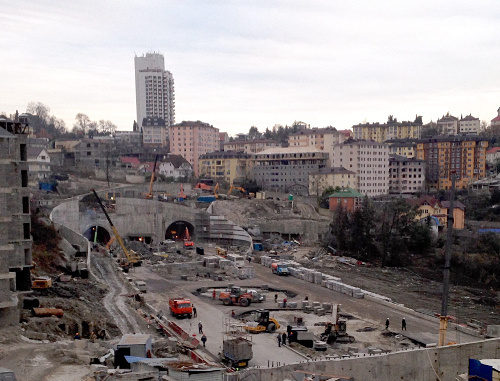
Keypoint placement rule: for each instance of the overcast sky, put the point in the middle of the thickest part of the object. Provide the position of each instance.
(238, 64)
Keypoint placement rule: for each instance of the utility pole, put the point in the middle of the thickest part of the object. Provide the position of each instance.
(443, 319)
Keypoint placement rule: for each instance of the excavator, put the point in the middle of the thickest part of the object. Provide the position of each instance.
(149, 195)
(132, 259)
(241, 189)
(181, 195)
(216, 188)
(187, 240)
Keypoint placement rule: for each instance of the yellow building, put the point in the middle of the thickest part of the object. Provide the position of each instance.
(463, 154)
(387, 131)
(331, 177)
(223, 165)
(404, 148)
(429, 206)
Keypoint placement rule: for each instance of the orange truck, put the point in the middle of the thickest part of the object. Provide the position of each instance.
(180, 307)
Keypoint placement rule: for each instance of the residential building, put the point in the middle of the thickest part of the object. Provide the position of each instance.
(323, 139)
(406, 175)
(287, 169)
(403, 147)
(39, 165)
(193, 139)
(223, 139)
(464, 155)
(448, 125)
(428, 206)
(154, 89)
(251, 146)
(369, 160)
(469, 125)
(380, 132)
(348, 198)
(94, 153)
(329, 177)
(224, 165)
(15, 222)
(154, 132)
(133, 138)
(496, 121)
(492, 155)
(175, 166)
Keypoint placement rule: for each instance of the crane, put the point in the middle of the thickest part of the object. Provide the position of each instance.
(132, 257)
(150, 193)
(216, 188)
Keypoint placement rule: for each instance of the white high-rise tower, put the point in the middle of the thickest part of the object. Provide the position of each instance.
(154, 88)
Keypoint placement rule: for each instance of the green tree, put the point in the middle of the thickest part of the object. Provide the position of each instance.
(341, 229)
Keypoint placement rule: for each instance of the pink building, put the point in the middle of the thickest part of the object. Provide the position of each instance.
(193, 139)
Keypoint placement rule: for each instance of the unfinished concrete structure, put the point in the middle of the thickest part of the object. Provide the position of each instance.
(15, 225)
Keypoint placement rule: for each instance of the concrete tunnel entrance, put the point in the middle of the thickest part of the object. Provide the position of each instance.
(101, 236)
(177, 231)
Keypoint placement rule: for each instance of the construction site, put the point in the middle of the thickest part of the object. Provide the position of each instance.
(170, 283)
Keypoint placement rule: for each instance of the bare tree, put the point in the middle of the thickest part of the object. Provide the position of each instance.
(82, 123)
(39, 109)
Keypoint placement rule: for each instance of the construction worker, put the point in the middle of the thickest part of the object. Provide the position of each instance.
(403, 325)
(284, 302)
(77, 336)
(233, 314)
(387, 323)
(200, 327)
(279, 339)
(195, 314)
(203, 339)
(283, 338)
(275, 298)
(93, 337)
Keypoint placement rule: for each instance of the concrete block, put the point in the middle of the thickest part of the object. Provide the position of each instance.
(316, 304)
(327, 307)
(319, 311)
(292, 304)
(305, 304)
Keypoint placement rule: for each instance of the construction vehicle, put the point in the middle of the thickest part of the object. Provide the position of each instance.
(221, 252)
(188, 244)
(236, 351)
(131, 257)
(204, 187)
(262, 322)
(236, 296)
(181, 196)
(216, 188)
(241, 189)
(336, 332)
(41, 284)
(180, 307)
(149, 195)
(280, 269)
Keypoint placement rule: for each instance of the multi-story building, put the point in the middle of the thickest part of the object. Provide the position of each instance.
(448, 125)
(287, 169)
(329, 177)
(39, 165)
(94, 153)
(323, 139)
(406, 176)
(463, 154)
(154, 132)
(15, 223)
(496, 121)
(370, 161)
(404, 147)
(346, 198)
(175, 166)
(250, 146)
(224, 165)
(132, 138)
(492, 155)
(469, 125)
(193, 139)
(380, 132)
(154, 89)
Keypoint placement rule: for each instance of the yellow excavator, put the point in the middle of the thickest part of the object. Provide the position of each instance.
(132, 258)
(242, 190)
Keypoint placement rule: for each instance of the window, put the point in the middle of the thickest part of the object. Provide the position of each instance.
(26, 230)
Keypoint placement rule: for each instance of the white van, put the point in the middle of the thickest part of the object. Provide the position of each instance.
(141, 286)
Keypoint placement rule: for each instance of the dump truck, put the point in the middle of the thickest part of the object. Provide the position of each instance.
(180, 307)
(236, 296)
(280, 269)
(237, 352)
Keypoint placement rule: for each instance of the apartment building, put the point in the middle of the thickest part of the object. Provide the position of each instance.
(224, 165)
(251, 146)
(381, 132)
(15, 223)
(223, 139)
(94, 153)
(154, 89)
(369, 160)
(323, 139)
(329, 177)
(133, 138)
(469, 125)
(193, 139)
(404, 147)
(154, 132)
(38, 165)
(406, 175)
(463, 154)
(287, 169)
(448, 125)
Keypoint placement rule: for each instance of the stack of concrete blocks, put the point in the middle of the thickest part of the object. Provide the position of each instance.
(306, 306)
(212, 261)
(265, 261)
(246, 272)
(328, 307)
(224, 263)
(319, 311)
(292, 304)
(318, 277)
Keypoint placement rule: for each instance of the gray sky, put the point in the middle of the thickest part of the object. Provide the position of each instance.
(242, 63)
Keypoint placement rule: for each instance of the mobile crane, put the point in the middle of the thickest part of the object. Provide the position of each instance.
(149, 195)
(131, 257)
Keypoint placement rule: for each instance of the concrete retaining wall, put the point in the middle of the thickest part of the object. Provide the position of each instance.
(420, 364)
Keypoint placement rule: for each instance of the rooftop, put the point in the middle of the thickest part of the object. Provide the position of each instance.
(335, 171)
(134, 339)
(225, 155)
(346, 193)
(281, 150)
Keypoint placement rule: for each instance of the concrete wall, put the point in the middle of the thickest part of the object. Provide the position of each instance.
(412, 365)
(67, 214)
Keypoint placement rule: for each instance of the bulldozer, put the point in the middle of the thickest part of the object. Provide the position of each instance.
(262, 322)
(236, 296)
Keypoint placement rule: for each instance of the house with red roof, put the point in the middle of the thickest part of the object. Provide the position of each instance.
(496, 121)
(129, 162)
(492, 155)
(429, 206)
